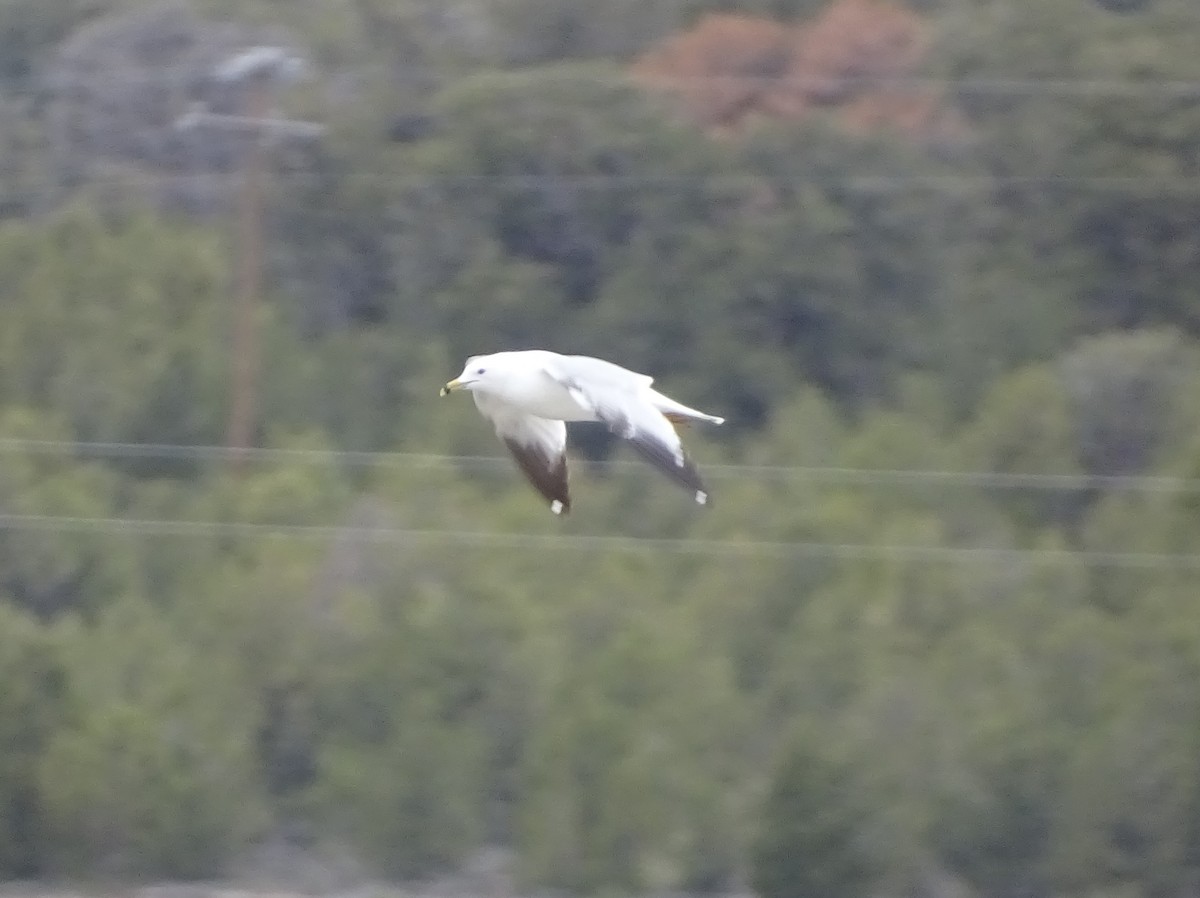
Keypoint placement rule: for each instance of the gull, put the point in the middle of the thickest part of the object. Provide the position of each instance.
(529, 395)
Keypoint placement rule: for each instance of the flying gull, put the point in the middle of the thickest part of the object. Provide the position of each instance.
(529, 395)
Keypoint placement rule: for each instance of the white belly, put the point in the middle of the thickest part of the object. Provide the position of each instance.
(541, 396)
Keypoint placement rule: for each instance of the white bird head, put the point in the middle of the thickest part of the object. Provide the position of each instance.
(482, 372)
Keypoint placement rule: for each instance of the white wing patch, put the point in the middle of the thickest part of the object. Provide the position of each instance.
(539, 447)
(625, 405)
(599, 372)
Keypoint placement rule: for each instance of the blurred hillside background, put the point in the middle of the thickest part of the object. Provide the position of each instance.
(264, 597)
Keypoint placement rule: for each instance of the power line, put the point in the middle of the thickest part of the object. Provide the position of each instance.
(1006, 480)
(592, 543)
(613, 180)
(1080, 87)
(197, 78)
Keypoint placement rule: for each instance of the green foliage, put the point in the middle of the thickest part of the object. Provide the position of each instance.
(152, 771)
(1128, 393)
(997, 838)
(402, 657)
(626, 781)
(29, 29)
(542, 31)
(31, 708)
(116, 329)
(811, 827)
(51, 572)
(411, 804)
(1101, 178)
(401, 771)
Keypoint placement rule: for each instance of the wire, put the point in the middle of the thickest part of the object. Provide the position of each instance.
(610, 181)
(1083, 87)
(820, 473)
(589, 543)
(194, 81)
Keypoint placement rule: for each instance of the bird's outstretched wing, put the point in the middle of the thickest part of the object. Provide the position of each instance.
(539, 446)
(628, 412)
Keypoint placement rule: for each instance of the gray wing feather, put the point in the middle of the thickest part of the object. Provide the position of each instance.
(621, 405)
(597, 371)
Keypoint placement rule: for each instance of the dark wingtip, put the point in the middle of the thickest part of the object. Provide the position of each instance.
(681, 469)
(547, 475)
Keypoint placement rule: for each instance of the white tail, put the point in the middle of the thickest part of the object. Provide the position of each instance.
(678, 412)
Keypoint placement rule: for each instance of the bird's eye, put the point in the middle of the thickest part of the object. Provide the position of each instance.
(480, 370)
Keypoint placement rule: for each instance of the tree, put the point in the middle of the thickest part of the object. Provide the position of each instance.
(32, 681)
(1129, 397)
(628, 779)
(29, 30)
(810, 828)
(401, 749)
(1024, 425)
(152, 771)
(67, 570)
(115, 328)
(1098, 178)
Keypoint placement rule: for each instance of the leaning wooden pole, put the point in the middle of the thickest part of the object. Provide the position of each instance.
(246, 339)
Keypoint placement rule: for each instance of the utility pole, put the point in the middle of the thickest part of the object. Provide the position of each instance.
(246, 342)
(257, 72)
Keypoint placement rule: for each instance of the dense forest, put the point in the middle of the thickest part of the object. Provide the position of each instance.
(937, 263)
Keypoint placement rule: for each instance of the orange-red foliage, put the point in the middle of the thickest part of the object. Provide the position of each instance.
(722, 67)
(858, 57)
